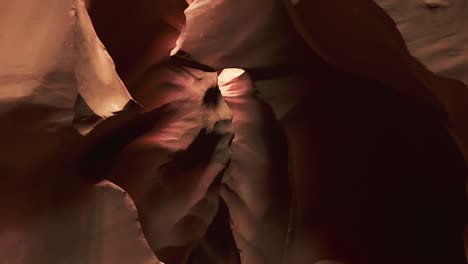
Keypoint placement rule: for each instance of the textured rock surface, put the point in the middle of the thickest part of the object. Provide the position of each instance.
(223, 40)
(138, 35)
(365, 41)
(395, 66)
(171, 158)
(51, 55)
(67, 59)
(72, 223)
(40, 84)
(434, 32)
(173, 171)
(256, 184)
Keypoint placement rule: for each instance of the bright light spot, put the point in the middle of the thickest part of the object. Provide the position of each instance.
(234, 82)
(229, 75)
